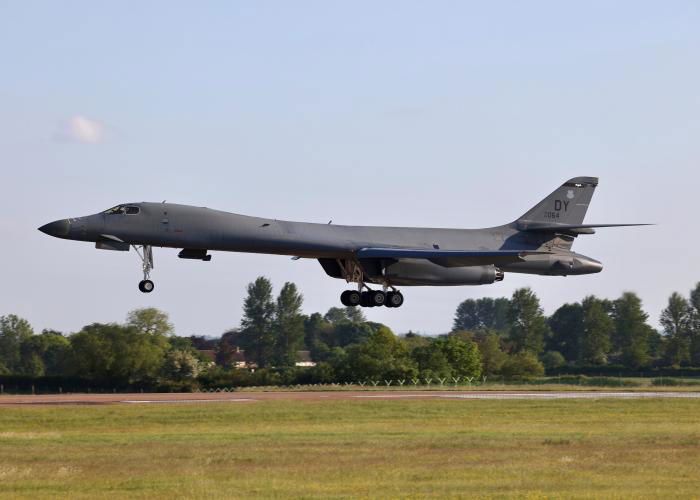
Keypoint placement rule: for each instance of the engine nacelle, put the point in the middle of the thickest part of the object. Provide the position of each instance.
(423, 272)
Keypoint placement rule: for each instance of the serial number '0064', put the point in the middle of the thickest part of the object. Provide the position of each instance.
(551, 215)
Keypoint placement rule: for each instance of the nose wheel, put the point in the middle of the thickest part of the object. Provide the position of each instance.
(145, 253)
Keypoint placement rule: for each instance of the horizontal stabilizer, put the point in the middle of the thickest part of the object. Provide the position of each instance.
(449, 258)
(567, 228)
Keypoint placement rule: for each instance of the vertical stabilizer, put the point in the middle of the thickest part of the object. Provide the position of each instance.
(566, 205)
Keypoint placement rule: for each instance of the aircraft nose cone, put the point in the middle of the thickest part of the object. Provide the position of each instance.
(59, 228)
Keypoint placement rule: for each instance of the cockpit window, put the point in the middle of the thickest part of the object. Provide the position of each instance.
(122, 210)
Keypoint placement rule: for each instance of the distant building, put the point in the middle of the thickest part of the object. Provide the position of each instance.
(304, 359)
(209, 355)
(237, 358)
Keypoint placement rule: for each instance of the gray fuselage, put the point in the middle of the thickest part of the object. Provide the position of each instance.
(199, 228)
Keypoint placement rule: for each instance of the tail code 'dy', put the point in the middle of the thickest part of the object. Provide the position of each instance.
(566, 205)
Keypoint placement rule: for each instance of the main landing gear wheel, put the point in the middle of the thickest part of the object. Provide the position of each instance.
(371, 298)
(350, 298)
(377, 298)
(146, 286)
(394, 299)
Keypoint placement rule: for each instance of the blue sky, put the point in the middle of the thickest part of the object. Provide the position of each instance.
(449, 114)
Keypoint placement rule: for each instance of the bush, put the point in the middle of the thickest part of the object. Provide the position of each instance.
(552, 359)
(322, 373)
(522, 365)
(674, 382)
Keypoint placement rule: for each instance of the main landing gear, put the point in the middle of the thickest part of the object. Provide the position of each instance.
(371, 298)
(352, 272)
(145, 253)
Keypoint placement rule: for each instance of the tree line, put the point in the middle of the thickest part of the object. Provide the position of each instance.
(497, 338)
(592, 332)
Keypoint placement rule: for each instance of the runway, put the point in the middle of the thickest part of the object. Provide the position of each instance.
(252, 397)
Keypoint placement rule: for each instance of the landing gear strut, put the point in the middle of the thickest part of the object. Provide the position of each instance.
(365, 296)
(145, 253)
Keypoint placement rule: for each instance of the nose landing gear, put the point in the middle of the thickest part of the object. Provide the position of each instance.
(146, 256)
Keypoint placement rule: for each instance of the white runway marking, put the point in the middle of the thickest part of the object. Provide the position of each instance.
(574, 395)
(385, 396)
(186, 400)
(541, 395)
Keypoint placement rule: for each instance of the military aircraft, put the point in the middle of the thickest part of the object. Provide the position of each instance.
(539, 242)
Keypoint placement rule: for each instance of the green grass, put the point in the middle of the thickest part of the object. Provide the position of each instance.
(398, 448)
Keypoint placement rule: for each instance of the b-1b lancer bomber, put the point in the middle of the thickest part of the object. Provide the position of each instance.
(539, 242)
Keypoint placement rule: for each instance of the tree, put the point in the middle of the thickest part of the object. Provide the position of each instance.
(566, 327)
(347, 333)
(45, 354)
(257, 336)
(463, 356)
(118, 354)
(492, 356)
(676, 320)
(552, 359)
(13, 331)
(288, 325)
(355, 315)
(30, 357)
(412, 340)
(431, 361)
(481, 314)
(383, 356)
(528, 325)
(181, 365)
(56, 353)
(598, 328)
(632, 333)
(150, 321)
(314, 332)
(336, 315)
(224, 353)
(466, 317)
(695, 326)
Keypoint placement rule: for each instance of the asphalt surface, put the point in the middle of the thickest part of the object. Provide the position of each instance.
(251, 397)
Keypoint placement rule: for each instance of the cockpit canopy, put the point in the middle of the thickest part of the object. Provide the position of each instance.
(123, 210)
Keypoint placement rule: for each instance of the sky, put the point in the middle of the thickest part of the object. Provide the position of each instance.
(438, 114)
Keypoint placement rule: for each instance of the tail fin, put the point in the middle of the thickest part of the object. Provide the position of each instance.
(566, 205)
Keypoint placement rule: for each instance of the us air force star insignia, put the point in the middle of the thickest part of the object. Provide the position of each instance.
(570, 194)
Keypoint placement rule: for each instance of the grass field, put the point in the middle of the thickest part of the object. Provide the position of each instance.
(532, 449)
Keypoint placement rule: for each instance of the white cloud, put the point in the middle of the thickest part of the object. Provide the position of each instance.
(79, 128)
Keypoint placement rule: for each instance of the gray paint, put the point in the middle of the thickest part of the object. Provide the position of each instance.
(539, 242)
